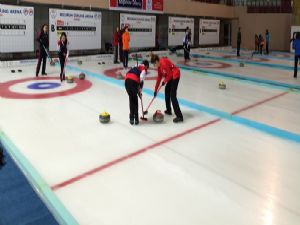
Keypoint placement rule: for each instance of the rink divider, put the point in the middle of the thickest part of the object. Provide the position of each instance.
(247, 62)
(281, 133)
(58, 210)
(270, 56)
(277, 84)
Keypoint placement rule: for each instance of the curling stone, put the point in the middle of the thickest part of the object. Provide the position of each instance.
(222, 85)
(82, 76)
(70, 79)
(79, 62)
(119, 75)
(52, 63)
(20, 71)
(104, 117)
(158, 117)
(242, 64)
(13, 71)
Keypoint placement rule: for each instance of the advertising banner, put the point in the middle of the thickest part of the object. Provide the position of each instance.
(177, 26)
(141, 28)
(16, 29)
(83, 28)
(209, 32)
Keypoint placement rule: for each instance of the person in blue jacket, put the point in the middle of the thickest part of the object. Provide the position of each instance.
(296, 46)
(267, 42)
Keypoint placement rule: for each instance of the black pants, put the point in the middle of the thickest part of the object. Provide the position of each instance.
(261, 49)
(121, 52)
(62, 60)
(171, 96)
(297, 57)
(186, 52)
(238, 49)
(42, 57)
(116, 49)
(132, 89)
(267, 48)
(125, 58)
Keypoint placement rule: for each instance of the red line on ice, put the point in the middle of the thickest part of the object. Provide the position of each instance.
(154, 145)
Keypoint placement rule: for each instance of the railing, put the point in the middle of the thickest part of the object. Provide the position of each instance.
(257, 6)
(271, 6)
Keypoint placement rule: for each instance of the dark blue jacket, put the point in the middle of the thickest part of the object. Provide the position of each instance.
(296, 46)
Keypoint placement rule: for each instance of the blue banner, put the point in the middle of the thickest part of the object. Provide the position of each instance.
(137, 4)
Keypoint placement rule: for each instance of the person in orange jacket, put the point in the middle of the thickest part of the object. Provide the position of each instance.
(171, 74)
(126, 41)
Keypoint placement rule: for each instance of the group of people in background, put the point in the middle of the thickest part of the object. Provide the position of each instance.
(135, 77)
(260, 42)
(121, 44)
(62, 47)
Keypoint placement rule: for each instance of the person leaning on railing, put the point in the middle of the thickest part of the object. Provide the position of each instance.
(296, 46)
(2, 163)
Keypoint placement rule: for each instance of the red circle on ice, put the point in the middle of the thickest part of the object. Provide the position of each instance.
(245, 58)
(205, 64)
(5, 92)
(282, 55)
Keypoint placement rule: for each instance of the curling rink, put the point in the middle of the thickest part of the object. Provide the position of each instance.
(234, 159)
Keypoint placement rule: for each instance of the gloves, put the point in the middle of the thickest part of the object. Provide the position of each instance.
(140, 93)
(163, 83)
(155, 93)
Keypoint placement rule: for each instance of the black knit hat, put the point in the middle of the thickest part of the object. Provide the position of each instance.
(146, 63)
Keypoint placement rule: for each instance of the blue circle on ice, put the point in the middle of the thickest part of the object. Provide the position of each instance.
(43, 85)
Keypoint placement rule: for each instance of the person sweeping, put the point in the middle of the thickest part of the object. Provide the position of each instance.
(171, 74)
(134, 81)
(63, 53)
(43, 39)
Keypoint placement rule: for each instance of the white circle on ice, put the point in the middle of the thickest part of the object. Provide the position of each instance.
(23, 87)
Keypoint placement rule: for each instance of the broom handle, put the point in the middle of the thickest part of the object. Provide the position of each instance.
(141, 97)
(153, 98)
(47, 53)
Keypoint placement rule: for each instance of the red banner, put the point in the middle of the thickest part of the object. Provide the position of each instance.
(158, 5)
(113, 3)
